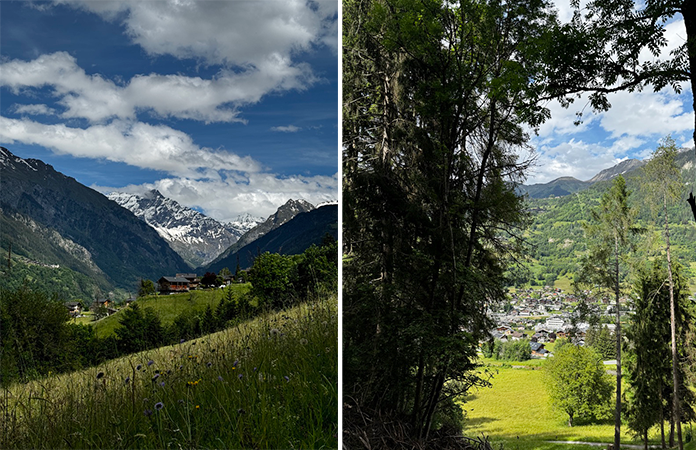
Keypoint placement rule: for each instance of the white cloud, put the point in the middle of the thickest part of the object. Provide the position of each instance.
(231, 33)
(286, 129)
(224, 199)
(97, 99)
(646, 113)
(576, 159)
(156, 147)
(34, 110)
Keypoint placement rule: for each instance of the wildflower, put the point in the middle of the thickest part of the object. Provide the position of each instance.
(287, 378)
(162, 384)
(303, 341)
(127, 380)
(159, 405)
(181, 401)
(235, 363)
(181, 341)
(241, 411)
(147, 412)
(220, 378)
(275, 331)
(209, 364)
(99, 375)
(198, 406)
(155, 377)
(150, 362)
(138, 367)
(240, 376)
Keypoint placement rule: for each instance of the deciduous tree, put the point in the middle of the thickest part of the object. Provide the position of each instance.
(577, 383)
(436, 98)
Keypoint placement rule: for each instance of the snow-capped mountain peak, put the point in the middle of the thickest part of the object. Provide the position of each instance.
(196, 237)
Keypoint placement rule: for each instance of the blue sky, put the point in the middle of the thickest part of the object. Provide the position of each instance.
(632, 128)
(225, 106)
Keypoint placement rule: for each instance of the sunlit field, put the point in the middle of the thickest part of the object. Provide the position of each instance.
(271, 382)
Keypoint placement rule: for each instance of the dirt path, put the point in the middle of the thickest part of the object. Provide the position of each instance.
(600, 444)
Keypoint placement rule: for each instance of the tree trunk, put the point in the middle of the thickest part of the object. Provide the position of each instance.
(676, 407)
(570, 420)
(617, 293)
(688, 11)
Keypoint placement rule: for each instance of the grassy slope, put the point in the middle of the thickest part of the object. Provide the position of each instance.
(268, 383)
(517, 412)
(168, 307)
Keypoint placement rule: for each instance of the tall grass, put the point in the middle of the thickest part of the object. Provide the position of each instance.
(269, 383)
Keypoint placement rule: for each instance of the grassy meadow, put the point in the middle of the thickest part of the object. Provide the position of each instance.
(516, 412)
(168, 307)
(271, 382)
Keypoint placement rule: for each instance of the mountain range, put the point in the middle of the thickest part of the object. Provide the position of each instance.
(197, 238)
(569, 185)
(63, 237)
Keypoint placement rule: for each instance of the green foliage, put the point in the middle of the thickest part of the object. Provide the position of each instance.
(507, 351)
(271, 279)
(35, 337)
(147, 287)
(602, 341)
(436, 98)
(577, 383)
(140, 329)
(246, 387)
(650, 383)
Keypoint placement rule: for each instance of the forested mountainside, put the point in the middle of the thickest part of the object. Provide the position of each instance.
(291, 238)
(52, 219)
(556, 234)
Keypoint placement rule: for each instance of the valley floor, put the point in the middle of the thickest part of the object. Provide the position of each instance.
(517, 413)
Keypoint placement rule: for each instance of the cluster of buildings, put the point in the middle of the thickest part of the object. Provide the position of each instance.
(542, 316)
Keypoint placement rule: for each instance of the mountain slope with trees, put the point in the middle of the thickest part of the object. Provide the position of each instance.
(119, 245)
(291, 238)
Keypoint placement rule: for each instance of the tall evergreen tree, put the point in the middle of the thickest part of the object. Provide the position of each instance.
(664, 186)
(609, 245)
(436, 94)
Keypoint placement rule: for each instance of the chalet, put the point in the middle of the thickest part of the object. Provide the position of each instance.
(105, 302)
(516, 336)
(74, 308)
(168, 285)
(192, 279)
(538, 350)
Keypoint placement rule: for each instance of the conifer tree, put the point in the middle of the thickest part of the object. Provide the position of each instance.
(609, 245)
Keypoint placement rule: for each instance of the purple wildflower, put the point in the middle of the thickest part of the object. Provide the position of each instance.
(155, 377)
(181, 341)
(220, 378)
(127, 380)
(209, 364)
(162, 384)
(240, 376)
(99, 375)
(159, 405)
(147, 412)
(235, 363)
(150, 362)
(138, 367)
(287, 378)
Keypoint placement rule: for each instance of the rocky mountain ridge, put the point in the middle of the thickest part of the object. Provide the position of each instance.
(199, 239)
(88, 232)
